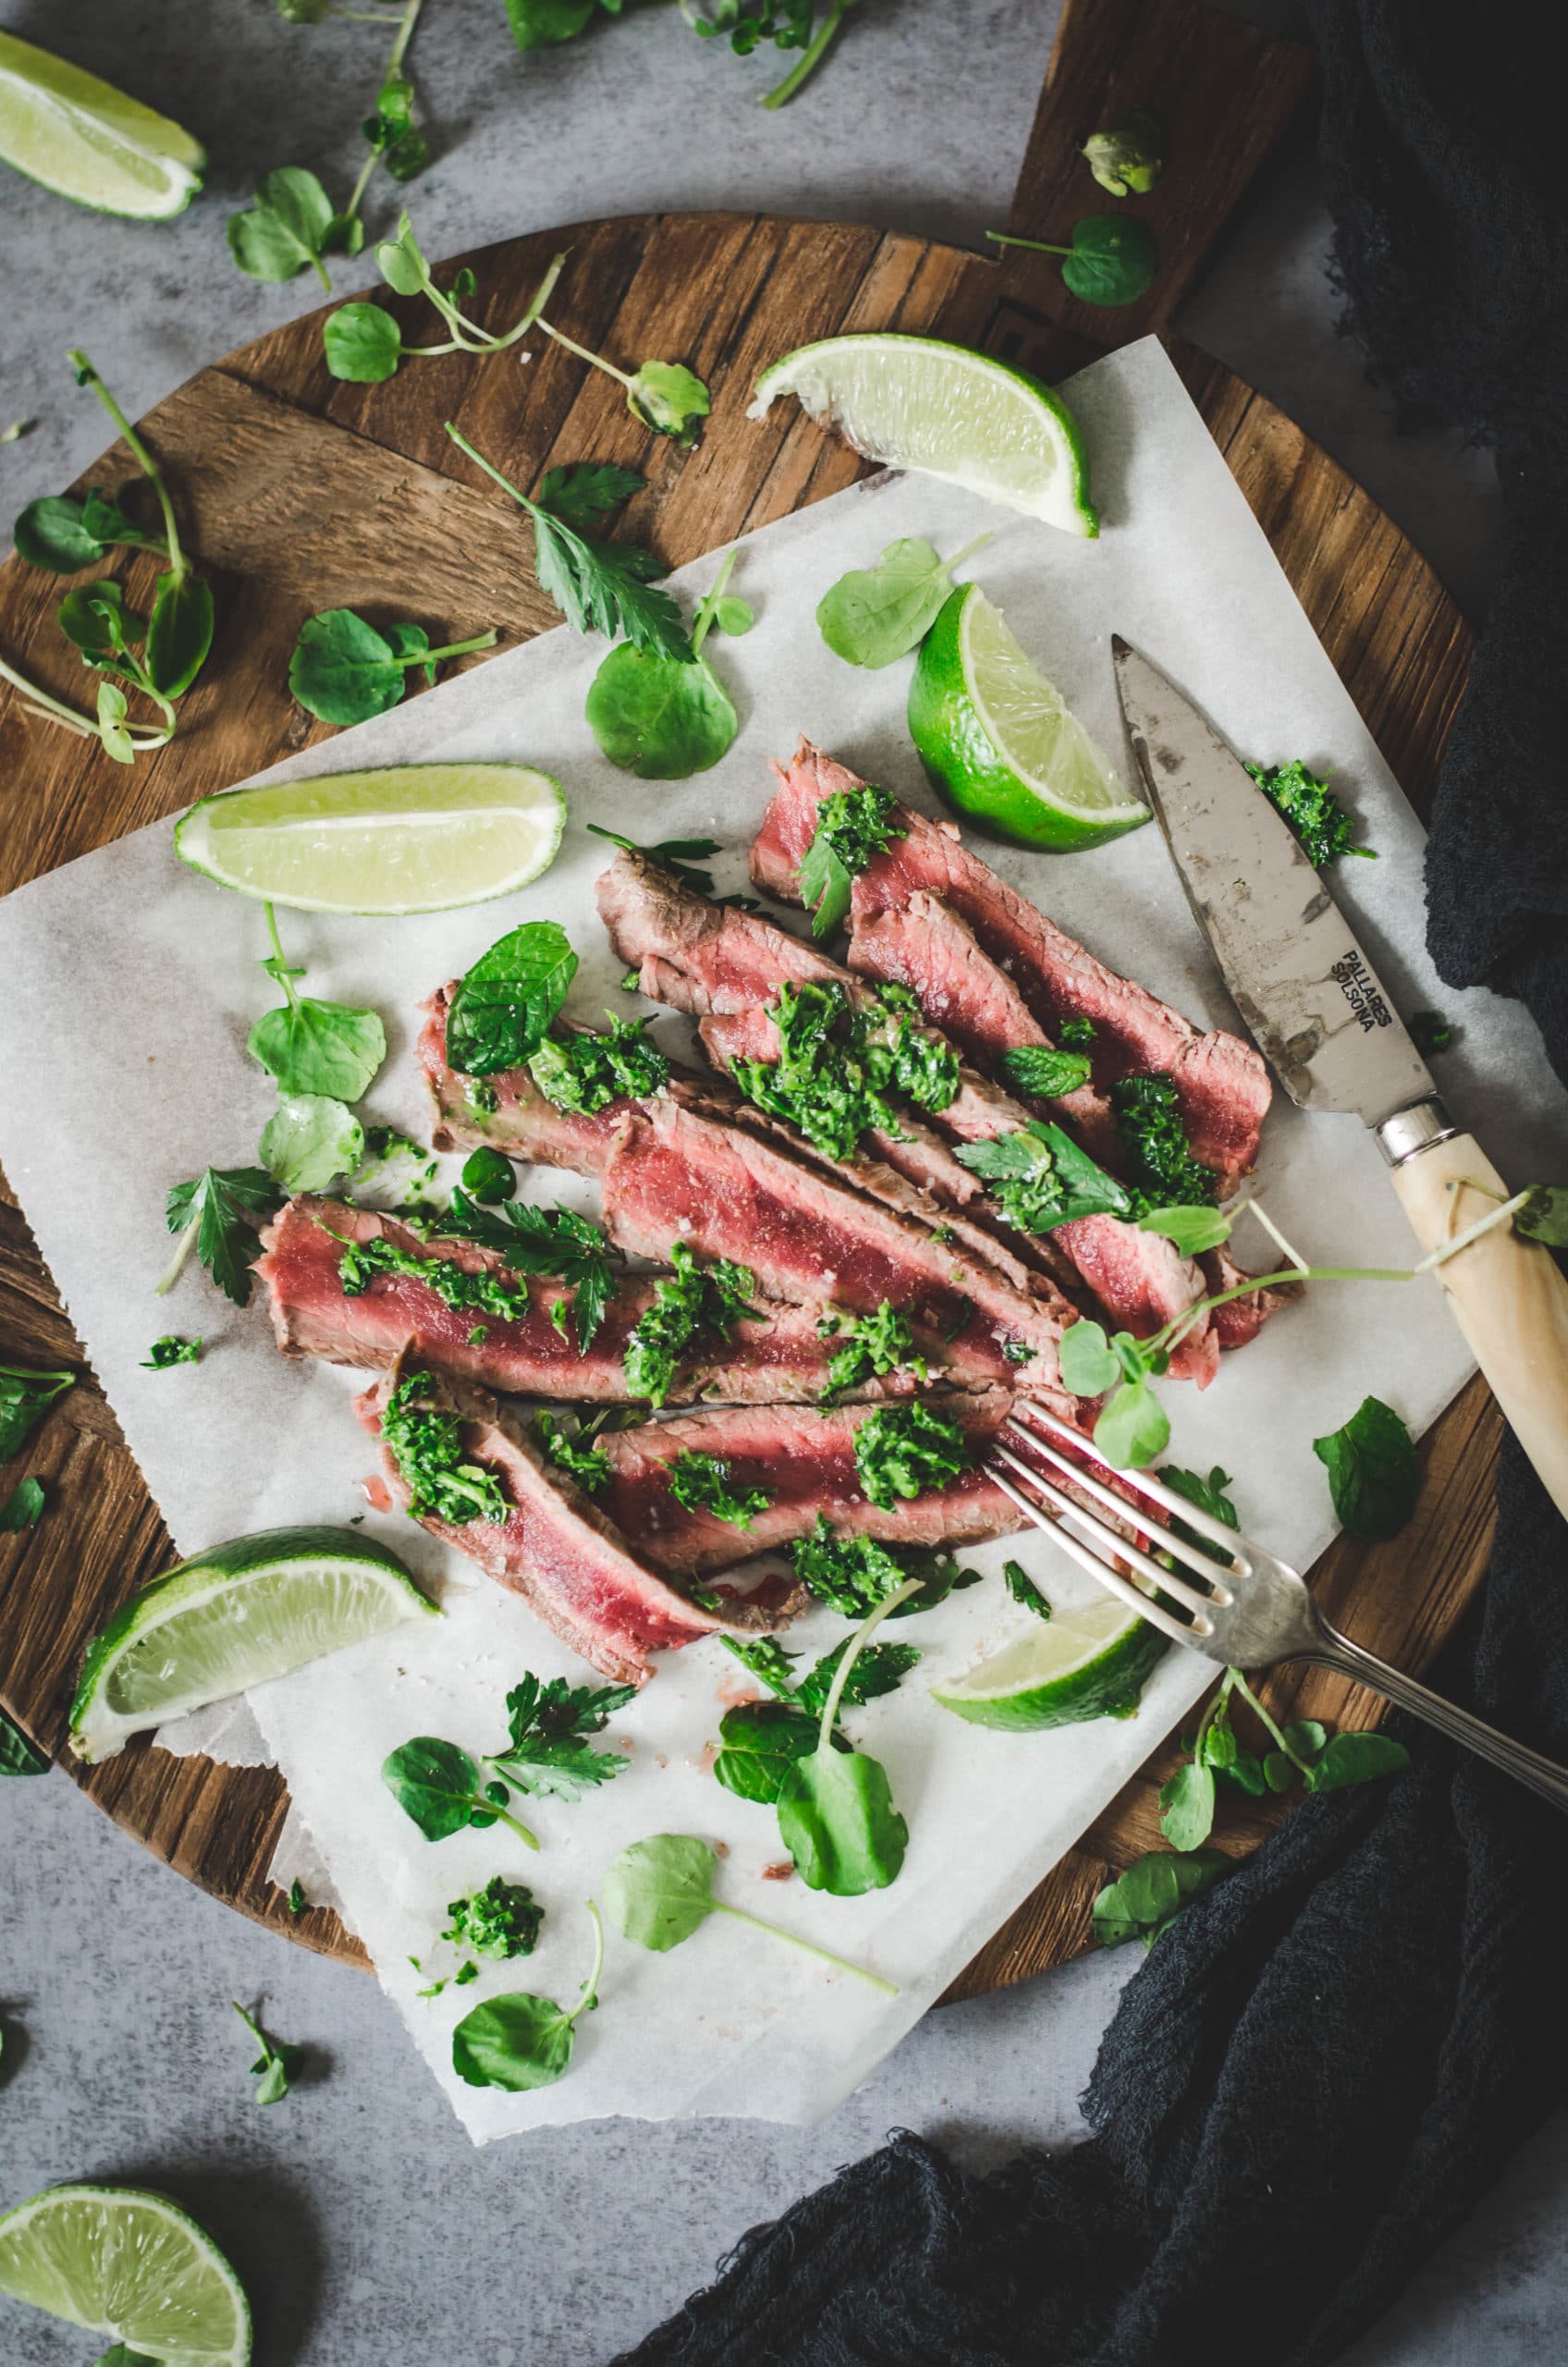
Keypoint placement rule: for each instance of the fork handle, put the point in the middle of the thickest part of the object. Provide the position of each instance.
(1529, 1767)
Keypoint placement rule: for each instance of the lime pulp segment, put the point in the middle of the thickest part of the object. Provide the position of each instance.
(403, 839)
(82, 138)
(132, 2266)
(915, 402)
(248, 1610)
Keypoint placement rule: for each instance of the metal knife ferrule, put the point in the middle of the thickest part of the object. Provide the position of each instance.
(1415, 1129)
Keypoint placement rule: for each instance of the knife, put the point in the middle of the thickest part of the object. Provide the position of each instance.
(1321, 1019)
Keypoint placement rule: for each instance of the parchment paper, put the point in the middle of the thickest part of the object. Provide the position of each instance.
(131, 987)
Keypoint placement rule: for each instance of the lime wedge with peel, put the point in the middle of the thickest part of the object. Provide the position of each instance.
(84, 140)
(913, 402)
(407, 839)
(998, 742)
(1088, 1664)
(131, 2265)
(248, 1610)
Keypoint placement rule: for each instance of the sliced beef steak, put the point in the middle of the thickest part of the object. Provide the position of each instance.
(555, 1548)
(668, 1171)
(1221, 1082)
(805, 1462)
(780, 1357)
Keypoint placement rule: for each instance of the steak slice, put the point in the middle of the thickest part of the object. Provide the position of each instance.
(569, 1563)
(1221, 1084)
(779, 1356)
(667, 1171)
(805, 1461)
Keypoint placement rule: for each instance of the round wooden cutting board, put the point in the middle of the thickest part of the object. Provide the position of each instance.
(299, 494)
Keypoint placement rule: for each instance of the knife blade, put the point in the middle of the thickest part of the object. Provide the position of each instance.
(1322, 1020)
(1303, 984)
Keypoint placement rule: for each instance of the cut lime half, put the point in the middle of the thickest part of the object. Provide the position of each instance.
(84, 140)
(1088, 1664)
(131, 2265)
(248, 1610)
(407, 839)
(998, 742)
(913, 402)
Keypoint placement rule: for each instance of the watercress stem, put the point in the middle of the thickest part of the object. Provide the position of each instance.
(179, 565)
(285, 974)
(405, 34)
(810, 58)
(1494, 1217)
(1261, 1714)
(1035, 246)
(586, 1997)
(709, 605)
(478, 460)
(1272, 1230)
(453, 649)
(875, 1980)
(583, 353)
(506, 1816)
(1173, 1334)
(968, 552)
(857, 1644)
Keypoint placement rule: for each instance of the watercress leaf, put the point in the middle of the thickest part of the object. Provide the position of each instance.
(489, 1177)
(25, 1397)
(1356, 1758)
(732, 614)
(1133, 1427)
(759, 1742)
(1544, 1216)
(363, 343)
(657, 717)
(23, 1508)
(540, 24)
(107, 523)
(1146, 1899)
(171, 1350)
(1278, 1772)
(509, 998)
(1187, 1805)
(52, 534)
(516, 2042)
(179, 632)
(286, 229)
(437, 1783)
(583, 496)
(110, 708)
(836, 1819)
(1307, 1738)
(1246, 1772)
(97, 619)
(343, 670)
(670, 399)
(406, 156)
(659, 1890)
(1042, 1071)
(1089, 1365)
(400, 262)
(319, 1047)
(310, 1140)
(1112, 259)
(1192, 1230)
(1128, 162)
(873, 616)
(1373, 1476)
(17, 1755)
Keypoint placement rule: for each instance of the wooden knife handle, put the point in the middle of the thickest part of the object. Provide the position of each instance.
(1507, 1295)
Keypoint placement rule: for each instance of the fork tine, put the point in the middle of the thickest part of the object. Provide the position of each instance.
(1156, 1613)
(1202, 1606)
(1194, 1516)
(1223, 1573)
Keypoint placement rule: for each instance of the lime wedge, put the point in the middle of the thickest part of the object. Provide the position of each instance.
(998, 742)
(250, 1610)
(132, 2266)
(1088, 1664)
(913, 402)
(408, 838)
(84, 140)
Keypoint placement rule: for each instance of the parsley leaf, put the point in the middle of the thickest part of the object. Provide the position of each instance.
(25, 1397)
(171, 1350)
(1313, 813)
(852, 827)
(596, 586)
(839, 1063)
(1431, 1032)
(1040, 1178)
(550, 1724)
(1022, 1589)
(677, 855)
(854, 1573)
(700, 1483)
(18, 1756)
(583, 494)
(1076, 1034)
(544, 1241)
(23, 1508)
(878, 1669)
(217, 1213)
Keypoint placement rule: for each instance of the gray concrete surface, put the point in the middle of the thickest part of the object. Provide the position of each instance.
(368, 2231)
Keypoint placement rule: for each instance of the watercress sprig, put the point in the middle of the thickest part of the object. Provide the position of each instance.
(1303, 1751)
(344, 670)
(1111, 262)
(437, 1784)
(277, 2063)
(788, 24)
(665, 718)
(836, 1812)
(874, 616)
(523, 2041)
(363, 343)
(659, 1890)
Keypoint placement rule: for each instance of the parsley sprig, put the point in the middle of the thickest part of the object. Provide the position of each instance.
(544, 1241)
(548, 1751)
(216, 1214)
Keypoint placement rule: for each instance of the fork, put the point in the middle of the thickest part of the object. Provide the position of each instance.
(1242, 1605)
